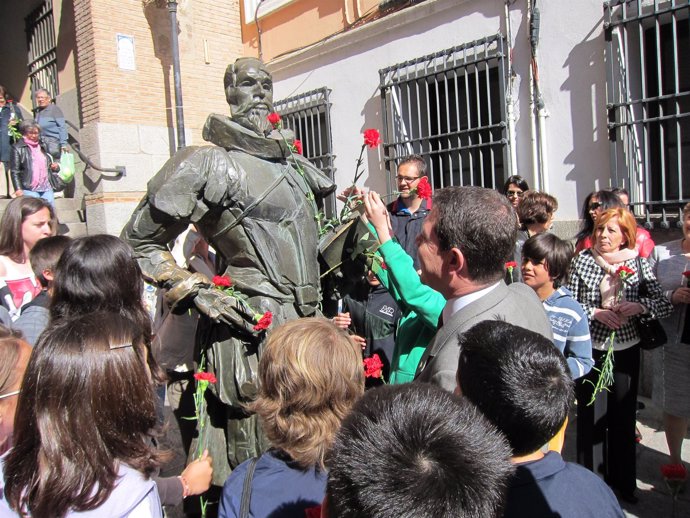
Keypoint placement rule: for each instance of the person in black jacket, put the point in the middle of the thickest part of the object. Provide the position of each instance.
(10, 116)
(32, 165)
(373, 318)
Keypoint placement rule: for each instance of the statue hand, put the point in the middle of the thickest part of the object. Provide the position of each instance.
(222, 307)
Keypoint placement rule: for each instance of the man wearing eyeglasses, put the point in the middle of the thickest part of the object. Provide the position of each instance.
(409, 210)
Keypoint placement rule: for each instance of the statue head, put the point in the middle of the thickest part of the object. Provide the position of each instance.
(249, 92)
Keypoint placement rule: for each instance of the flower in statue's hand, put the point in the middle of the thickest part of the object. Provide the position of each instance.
(274, 119)
(297, 144)
(263, 321)
(222, 281)
(205, 376)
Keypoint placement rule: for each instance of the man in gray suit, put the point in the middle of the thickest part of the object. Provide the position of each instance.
(463, 247)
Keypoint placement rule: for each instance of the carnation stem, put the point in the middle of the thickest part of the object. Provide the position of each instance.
(605, 379)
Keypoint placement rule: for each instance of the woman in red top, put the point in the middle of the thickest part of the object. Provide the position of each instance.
(598, 202)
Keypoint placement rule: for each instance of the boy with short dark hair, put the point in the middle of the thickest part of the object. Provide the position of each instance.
(521, 383)
(35, 315)
(415, 450)
(545, 263)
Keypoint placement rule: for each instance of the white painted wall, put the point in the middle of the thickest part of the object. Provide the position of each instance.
(572, 76)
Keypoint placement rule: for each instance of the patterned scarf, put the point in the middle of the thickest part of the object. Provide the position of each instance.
(611, 283)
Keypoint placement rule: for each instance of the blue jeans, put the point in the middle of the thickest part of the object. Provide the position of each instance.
(48, 195)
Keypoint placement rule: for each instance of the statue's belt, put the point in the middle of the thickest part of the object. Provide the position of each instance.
(306, 295)
(305, 299)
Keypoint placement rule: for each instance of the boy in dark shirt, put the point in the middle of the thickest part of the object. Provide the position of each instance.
(521, 383)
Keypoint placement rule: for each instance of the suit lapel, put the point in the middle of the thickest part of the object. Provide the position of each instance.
(459, 321)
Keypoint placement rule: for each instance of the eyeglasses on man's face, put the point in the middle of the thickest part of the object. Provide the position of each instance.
(407, 179)
(513, 194)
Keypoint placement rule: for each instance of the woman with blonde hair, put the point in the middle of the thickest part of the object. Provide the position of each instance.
(310, 376)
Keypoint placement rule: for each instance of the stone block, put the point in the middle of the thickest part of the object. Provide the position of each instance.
(139, 169)
(108, 216)
(156, 140)
(118, 138)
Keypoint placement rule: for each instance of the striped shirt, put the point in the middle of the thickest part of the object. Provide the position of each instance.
(570, 331)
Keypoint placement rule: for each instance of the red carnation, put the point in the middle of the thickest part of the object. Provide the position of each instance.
(686, 274)
(264, 321)
(274, 119)
(372, 138)
(313, 512)
(298, 146)
(624, 272)
(222, 281)
(384, 266)
(674, 471)
(373, 367)
(424, 188)
(511, 264)
(205, 376)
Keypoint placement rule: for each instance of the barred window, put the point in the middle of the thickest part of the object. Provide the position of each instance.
(648, 102)
(309, 116)
(450, 108)
(42, 58)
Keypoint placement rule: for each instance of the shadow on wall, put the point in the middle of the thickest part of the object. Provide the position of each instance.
(587, 86)
(158, 19)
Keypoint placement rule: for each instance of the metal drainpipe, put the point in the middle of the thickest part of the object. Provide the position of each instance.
(179, 113)
(532, 110)
(510, 108)
(541, 113)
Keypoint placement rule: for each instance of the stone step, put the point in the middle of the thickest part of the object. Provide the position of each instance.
(73, 229)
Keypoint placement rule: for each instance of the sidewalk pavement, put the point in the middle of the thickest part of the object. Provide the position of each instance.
(655, 499)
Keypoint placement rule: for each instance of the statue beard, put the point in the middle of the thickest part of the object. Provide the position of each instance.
(254, 117)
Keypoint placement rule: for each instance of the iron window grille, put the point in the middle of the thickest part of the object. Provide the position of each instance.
(42, 58)
(308, 115)
(648, 102)
(450, 108)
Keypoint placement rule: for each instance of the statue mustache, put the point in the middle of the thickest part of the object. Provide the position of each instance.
(253, 106)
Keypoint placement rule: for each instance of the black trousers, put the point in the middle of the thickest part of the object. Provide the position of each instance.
(606, 429)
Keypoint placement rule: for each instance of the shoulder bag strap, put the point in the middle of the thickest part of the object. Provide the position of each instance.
(247, 488)
(642, 288)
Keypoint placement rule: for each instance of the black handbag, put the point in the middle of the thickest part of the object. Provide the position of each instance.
(56, 183)
(652, 334)
(650, 330)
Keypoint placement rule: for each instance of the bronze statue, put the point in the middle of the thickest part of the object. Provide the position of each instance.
(256, 206)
